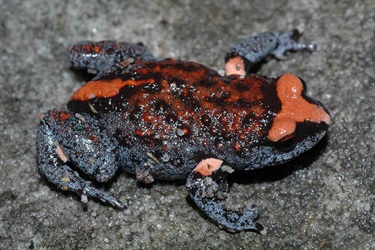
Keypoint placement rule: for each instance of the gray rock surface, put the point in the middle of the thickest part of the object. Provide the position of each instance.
(324, 199)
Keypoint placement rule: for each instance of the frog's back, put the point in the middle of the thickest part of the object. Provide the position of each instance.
(170, 101)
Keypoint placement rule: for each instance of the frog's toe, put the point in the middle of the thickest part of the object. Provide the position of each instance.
(68, 180)
(234, 222)
(208, 187)
(229, 220)
(105, 197)
(288, 41)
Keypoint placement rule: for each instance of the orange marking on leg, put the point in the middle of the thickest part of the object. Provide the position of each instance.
(207, 166)
(61, 153)
(65, 116)
(235, 66)
(294, 108)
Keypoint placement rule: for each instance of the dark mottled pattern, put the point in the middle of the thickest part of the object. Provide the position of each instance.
(104, 56)
(159, 119)
(185, 111)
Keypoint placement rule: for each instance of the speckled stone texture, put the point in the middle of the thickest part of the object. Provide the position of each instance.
(324, 199)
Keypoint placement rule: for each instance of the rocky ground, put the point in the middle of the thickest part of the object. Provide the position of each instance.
(324, 199)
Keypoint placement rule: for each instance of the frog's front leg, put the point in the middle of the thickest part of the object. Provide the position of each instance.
(103, 57)
(249, 52)
(64, 140)
(207, 186)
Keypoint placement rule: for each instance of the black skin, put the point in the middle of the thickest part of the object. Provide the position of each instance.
(99, 155)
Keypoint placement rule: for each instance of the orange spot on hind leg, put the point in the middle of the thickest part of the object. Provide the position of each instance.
(235, 66)
(207, 166)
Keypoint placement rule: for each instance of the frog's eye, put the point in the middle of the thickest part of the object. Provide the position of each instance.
(286, 143)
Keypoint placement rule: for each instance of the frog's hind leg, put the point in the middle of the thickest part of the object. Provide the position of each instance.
(208, 187)
(249, 52)
(54, 161)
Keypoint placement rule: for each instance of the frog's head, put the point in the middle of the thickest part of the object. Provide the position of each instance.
(295, 127)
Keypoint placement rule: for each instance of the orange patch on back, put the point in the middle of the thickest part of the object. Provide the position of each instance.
(104, 88)
(294, 108)
(207, 166)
